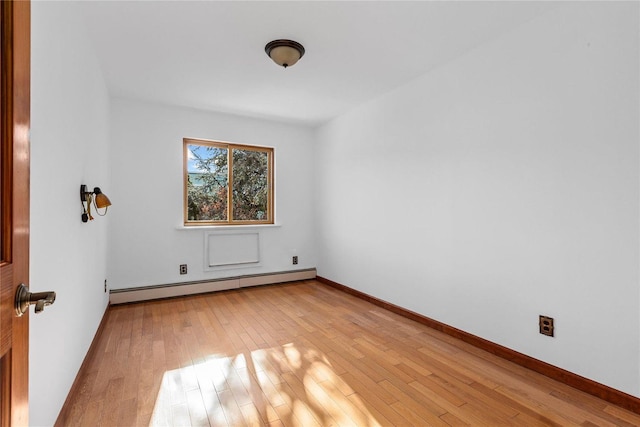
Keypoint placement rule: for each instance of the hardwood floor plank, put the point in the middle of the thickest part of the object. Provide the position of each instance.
(374, 416)
(430, 412)
(344, 415)
(297, 414)
(413, 419)
(127, 416)
(301, 396)
(213, 407)
(524, 413)
(621, 415)
(305, 354)
(453, 421)
(180, 415)
(197, 412)
(149, 387)
(591, 404)
(544, 399)
(259, 400)
(230, 408)
(370, 398)
(110, 416)
(93, 414)
(434, 392)
(362, 378)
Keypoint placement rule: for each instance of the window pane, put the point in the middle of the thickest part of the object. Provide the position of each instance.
(207, 183)
(250, 185)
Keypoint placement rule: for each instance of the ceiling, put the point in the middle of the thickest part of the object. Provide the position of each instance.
(210, 54)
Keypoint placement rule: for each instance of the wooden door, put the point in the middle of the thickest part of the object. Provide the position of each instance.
(14, 209)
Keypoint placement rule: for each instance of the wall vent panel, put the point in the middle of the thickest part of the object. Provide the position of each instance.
(231, 250)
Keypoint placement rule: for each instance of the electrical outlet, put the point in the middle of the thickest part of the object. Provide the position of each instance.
(546, 325)
(183, 268)
(295, 260)
(105, 286)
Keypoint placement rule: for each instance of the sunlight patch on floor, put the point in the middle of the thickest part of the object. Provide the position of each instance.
(293, 384)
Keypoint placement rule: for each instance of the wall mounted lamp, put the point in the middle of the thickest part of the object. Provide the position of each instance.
(99, 199)
(285, 53)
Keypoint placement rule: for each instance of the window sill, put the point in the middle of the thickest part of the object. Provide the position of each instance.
(227, 227)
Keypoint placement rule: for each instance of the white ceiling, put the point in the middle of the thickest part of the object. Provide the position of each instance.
(210, 54)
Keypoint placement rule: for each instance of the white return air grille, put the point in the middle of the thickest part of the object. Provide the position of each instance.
(231, 250)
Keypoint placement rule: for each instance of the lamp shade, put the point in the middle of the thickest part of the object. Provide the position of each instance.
(101, 200)
(284, 52)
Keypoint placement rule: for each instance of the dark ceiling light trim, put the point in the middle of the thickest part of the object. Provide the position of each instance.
(284, 52)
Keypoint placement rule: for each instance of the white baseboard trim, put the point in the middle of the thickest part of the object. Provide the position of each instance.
(146, 293)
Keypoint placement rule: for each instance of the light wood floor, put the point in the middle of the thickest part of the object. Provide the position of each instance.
(305, 354)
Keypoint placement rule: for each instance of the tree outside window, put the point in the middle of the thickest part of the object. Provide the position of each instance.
(227, 183)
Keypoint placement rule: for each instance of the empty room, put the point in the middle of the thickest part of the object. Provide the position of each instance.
(301, 213)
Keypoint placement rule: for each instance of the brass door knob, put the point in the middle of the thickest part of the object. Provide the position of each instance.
(24, 299)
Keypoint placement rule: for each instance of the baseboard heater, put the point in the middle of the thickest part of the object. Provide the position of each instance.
(146, 293)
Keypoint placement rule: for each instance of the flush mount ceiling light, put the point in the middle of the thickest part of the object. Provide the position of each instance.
(284, 52)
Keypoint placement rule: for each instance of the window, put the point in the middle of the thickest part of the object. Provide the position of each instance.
(227, 184)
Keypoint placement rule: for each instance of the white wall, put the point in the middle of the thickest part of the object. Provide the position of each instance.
(69, 139)
(499, 187)
(148, 242)
(502, 186)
